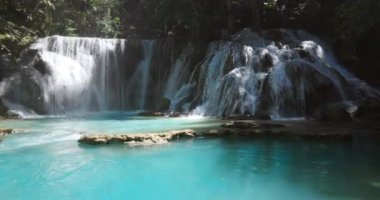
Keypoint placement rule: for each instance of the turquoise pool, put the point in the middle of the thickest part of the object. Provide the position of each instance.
(44, 161)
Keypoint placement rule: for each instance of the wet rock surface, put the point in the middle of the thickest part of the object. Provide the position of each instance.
(138, 139)
(338, 112)
(160, 114)
(4, 132)
(239, 125)
(278, 129)
(26, 89)
(369, 109)
(256, 116)
(10, 115)
(151, 114)
(3, 108)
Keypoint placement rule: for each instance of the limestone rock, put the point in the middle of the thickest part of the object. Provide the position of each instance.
(138, 139)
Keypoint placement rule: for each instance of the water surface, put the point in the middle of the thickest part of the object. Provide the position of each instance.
(44, 161)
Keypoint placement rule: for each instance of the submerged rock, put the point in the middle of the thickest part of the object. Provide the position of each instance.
(4, 132)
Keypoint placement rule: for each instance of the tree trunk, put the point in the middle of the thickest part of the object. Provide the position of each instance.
(257, 12)
(230, 16)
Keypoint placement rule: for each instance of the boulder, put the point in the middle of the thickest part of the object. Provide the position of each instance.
(270, 126)
(152, 114)
(336, 112)
(159, 114)
(320, 84)
(368, 109)
(40, 65)
(175, 114)
(299, 88)
(261, 116)
(237, 117)
(239, 125)
(164, 104)
(7, 65)
(12, 115)
(266, 60)
(4, 132)
(3, 108)
(26, 89)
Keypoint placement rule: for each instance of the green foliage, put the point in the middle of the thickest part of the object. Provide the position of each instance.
(342, 21)
(355, 18)
(93, 18)
(22, 21)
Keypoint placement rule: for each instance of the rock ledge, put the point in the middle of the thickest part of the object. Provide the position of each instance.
(138, 139)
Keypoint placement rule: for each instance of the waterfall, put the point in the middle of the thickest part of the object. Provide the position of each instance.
(176, 89)
(81, 71)
(138, 85)
(281, 73)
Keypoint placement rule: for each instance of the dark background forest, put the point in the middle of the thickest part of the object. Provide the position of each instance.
(351, 27)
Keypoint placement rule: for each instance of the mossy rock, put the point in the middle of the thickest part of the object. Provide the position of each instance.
(164, 104)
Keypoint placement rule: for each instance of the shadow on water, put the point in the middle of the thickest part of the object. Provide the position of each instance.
(335, 168)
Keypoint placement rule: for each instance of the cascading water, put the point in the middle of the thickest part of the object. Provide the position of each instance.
(80, 72)
(86, 82)
(280, 73)
(138, 85)
(177, 90)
